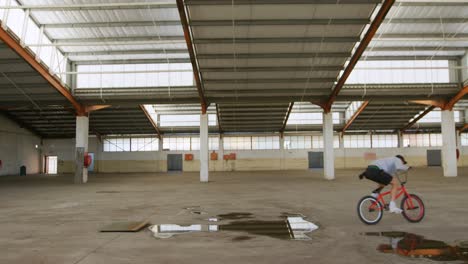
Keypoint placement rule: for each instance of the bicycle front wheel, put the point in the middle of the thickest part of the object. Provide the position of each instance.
(413, 208)
(369, 210)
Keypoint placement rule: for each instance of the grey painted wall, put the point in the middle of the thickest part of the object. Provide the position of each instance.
(17, 148)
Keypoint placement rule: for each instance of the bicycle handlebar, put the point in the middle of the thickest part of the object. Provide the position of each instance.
(402, 173)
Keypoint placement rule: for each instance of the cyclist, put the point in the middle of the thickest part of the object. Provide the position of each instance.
(382, 171)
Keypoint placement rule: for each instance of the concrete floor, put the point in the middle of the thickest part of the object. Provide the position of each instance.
(46, 219)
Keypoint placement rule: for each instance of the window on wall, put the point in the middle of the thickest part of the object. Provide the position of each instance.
(265, 142)
(134, 75)
(384, 141)
(130, 144)
(422, 140)
(317, 142)
(145, 144)
(308, 142)
(464, 139)
(176, 143)
(436, 117)
(184, 120)
(297, 142)
(116, 145)
(406, 71)
(311, 118)
(435, 140)
(357, 141)
(195, 143)
(237, 143)
(214, 143)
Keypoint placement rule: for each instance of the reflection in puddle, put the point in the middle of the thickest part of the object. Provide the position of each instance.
(412, 245)
(235, 216)
(294, 228)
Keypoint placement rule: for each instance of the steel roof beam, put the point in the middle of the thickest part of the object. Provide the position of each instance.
(418, 48)
(193, 59)
(286, 118)
(411, 57)
(275, 55)
(416, 119)
(112, 24)
(273, 69)
(100, 6)
(150, 119)
(451, 103)
(11, 61)
(355, 115)
(41, 70)
(463, 128)
(277, 2)
(374, 26)
(277, 22)
(444, 20)
(101, 42)
(127, 52)
(218, 119)
(433, 3)
(70, 41)
(272, 80)
(130, 61)
(277, 40)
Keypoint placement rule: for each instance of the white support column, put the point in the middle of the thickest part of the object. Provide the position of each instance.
(204, 149)
(82, 133)
(282, 153)
(161, 144)
(341, 137)
(400, 139)
(449, 146)
(328, 152)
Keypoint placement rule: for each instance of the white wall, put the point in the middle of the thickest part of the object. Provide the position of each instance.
(155, 161)
(18, 148)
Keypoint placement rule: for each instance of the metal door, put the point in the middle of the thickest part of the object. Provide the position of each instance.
(174, 162)
(315, 160)
(434, 157)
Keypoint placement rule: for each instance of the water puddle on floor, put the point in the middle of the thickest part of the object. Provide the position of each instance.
(416, 246)
(288, 228)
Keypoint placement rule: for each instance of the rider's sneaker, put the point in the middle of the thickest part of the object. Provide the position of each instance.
(395, 210)
(375, 195)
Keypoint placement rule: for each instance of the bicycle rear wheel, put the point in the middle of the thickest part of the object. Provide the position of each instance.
(370, 211)
(413, 208)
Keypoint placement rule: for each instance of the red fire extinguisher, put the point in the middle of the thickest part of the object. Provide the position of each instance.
(88, 159)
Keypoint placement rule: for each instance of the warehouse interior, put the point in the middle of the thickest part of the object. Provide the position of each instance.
(117, 110)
